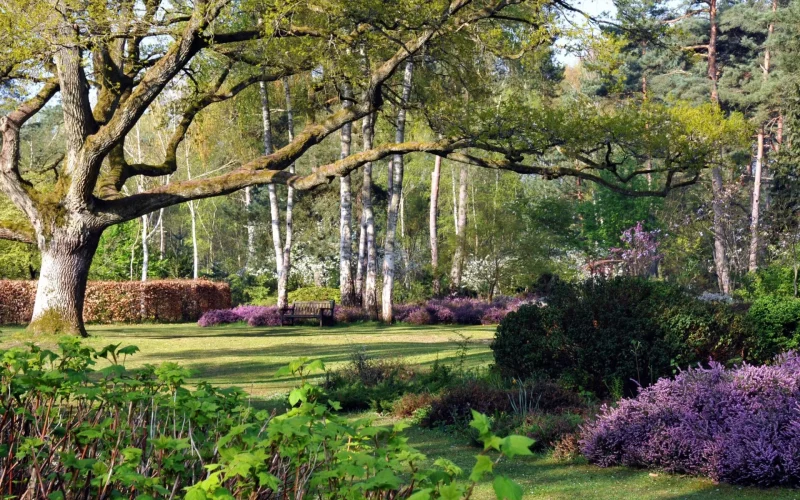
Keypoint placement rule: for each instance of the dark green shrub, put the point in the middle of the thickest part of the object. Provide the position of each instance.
(776, 321)
(609, 336)
(531, 341)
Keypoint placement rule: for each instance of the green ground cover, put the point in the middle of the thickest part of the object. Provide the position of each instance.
(248, 357)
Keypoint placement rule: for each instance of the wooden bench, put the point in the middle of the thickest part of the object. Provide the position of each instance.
(321, 310)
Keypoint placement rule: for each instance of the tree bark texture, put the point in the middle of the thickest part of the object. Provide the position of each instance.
(433, 223)
(396, 182)
(66, 258)
(721, 263)
(346, 283)
(274, 207)
(283, 278)
(754, 212)
(461, 234)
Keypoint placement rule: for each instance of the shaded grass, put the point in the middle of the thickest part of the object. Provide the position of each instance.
(248, 357)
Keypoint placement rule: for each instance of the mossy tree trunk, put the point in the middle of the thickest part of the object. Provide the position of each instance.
(66, 257)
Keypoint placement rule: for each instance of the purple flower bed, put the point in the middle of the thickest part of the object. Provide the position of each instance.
(460, 311)
(252, 315)
(739, 425)
(344, 314)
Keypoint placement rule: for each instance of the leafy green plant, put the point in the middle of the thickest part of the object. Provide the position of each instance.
(71, 430)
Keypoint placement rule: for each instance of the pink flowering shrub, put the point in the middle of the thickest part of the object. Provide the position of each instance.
(459, 311)
(268, 316)
(739, 425)
(419, 316)
(452, 311)
(349, 314)
(252, 315)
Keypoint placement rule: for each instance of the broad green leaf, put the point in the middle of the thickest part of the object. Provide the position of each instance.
(506, 489)
(513, 446)
(483, 465)
(421, 495)
(480, 422)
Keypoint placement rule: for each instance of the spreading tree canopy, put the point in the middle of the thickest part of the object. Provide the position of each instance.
(105, 63)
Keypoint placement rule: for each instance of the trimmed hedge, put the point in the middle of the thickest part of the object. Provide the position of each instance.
(164, 301)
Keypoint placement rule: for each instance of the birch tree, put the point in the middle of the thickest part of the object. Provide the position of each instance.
(346, 284)
(457, 269)
(396, 185)
(433, 223)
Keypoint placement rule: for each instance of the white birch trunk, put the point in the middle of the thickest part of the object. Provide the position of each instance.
(461, 224)
(754, 216)
(396, 183)
(370, 296)
(433, 223)
(286, 267)
(346, 286)
(361, 264)
(758, 174)
(274, 208)
(145, 247)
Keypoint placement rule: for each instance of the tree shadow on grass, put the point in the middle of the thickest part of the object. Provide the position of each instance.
(254, 366)
(191, 330)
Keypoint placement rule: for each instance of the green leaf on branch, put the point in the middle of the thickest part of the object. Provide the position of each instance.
(506, 489)
(513, 446)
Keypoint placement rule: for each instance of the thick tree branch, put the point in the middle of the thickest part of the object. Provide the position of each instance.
(11, 182)
(555, 172)
(171, 194)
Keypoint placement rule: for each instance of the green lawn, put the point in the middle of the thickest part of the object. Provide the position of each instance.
(247, 357)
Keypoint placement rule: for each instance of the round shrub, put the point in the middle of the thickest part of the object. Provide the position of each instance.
(739, 425)
(350, 314)
(609, 336)
(531, 341)
(218, 317)
(441, 314)
(494, 316)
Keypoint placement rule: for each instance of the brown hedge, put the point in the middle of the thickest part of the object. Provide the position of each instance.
(163, 301)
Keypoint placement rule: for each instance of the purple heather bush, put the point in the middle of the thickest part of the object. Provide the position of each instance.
(252, 315)
(461, 311)
(419, 316)
(739, 425)
(269, 317)
(218, 317)
(349, 314)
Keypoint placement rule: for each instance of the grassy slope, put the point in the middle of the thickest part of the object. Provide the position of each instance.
(247, 357)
